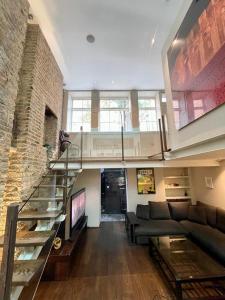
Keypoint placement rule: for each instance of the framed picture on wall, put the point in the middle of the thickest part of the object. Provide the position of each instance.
(196, 60)
(145, 181)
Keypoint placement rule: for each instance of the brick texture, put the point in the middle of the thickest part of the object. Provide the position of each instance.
(13, 24)
(37, 117)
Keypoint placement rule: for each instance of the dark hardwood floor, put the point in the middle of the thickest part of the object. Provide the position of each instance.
(106, 267)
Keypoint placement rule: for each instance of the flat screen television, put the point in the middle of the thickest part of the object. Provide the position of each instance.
(78, 201)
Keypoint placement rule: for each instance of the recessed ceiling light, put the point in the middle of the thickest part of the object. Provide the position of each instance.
(113, 81)
(90, 38)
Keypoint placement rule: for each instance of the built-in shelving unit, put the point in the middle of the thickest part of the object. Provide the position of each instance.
(177, 184)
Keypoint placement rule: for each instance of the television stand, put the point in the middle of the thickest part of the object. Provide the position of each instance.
(59, 263)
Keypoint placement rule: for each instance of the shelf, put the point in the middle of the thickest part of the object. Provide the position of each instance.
(177, 187)
(172, 177)
(178, 197)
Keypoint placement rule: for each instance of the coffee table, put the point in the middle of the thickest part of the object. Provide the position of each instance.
(191, 272)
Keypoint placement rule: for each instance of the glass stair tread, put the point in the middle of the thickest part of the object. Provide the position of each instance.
(48, 199)
(25, 270)
(30, 215)
(30, 238)
(57, 175)
(49, 186)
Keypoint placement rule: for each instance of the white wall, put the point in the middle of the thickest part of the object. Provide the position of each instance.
(205, 128)
(215, 196)
(91, 180)
(132, 195)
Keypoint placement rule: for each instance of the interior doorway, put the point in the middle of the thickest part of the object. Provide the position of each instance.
(113, 194)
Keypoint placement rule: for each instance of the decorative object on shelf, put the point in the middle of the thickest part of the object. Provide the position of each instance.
(209, 182)
(146, 181)
(177, 184)
(57, 243)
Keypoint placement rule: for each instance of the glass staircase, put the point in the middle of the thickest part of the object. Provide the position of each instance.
(30, 230)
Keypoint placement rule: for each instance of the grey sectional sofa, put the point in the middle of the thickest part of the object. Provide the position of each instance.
(203, 223)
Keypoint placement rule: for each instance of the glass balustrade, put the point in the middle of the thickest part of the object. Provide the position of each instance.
(39, 219)
(112, 145)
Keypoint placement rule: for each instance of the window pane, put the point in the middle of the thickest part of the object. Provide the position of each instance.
(86, 127)
(112, 114)
(114, 103)
(77, 103)
(105, 104)
(176, 104)
(197, 103)
(77, 116)
(86, 103)
(115, 117)
(177, 118)
(104, 116)
(86, 117)
(119, 103)
(146, 103)
(148, 120)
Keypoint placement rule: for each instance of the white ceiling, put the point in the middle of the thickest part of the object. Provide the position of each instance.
(122, 56)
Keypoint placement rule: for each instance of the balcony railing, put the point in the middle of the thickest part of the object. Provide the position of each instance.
(119, 145)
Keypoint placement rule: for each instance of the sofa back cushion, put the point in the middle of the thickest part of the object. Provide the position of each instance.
(220, 219)
(159, 210)
(197, 214)
(142, 212)
(179, 210)
(210, 213)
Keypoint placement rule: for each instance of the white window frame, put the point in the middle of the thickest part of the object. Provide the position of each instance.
(155, 109)
(73, 109)
(125, 111)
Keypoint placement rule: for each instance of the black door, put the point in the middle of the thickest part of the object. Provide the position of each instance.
(114, 191)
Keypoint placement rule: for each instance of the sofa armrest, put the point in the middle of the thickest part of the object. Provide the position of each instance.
(132, 219)
(130, 222)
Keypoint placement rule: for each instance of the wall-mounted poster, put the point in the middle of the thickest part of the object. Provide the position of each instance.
(196, 60)
(145, 181)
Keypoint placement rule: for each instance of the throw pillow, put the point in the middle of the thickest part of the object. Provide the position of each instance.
(210, 213)
(142, 212)
(159, 210)
(179, 210)
(197, 214)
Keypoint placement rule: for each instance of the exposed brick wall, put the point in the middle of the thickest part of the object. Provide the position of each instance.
(40, 86)
(13, 24)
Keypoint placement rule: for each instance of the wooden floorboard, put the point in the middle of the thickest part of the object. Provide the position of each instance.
(106, 267)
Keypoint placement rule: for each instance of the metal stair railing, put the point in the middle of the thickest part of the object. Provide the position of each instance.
(30, 231)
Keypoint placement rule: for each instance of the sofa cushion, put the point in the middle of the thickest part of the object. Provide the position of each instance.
(220, 219)
(210, 238)
(159, 210)
(197, 214)
(210, 213)
(159, 228)
(179, 210)
(142, 212)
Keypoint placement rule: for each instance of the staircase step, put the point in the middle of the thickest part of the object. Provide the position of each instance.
(30, 215)
(49, 186)
(40, 199)
(25, 270)
(57, 175)
(30, 238)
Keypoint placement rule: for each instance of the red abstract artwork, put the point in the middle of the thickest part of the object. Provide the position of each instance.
(196, 61)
